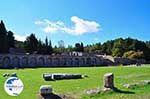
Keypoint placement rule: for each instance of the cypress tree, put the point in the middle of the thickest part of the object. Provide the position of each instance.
(3, 38)
(82, 47)
(50, 48)
(11, 41)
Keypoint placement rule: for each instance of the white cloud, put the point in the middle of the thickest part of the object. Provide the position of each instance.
(19, 37)
(80, 26)
(38, 22)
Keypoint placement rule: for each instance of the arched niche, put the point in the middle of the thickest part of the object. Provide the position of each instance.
(33, 62)
(1, 61)
(24, 61)
(88, 61)
(16, 61)
(6, 62)
(82, 61)
(70, 62)
(94, 61)
(41, 61)
(49, 61)
(56, 61)
(76, 61)
(63, 62)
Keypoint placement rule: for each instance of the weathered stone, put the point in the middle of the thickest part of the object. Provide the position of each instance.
(6, 74)
(107, 89)
(146, 81)
(61, 76)
(109, 80)
(46, 89)
(92, 91)
(45, 92)
(36, 60)
(140, 83)
(128, 85)
(47, 77)
(13, 75)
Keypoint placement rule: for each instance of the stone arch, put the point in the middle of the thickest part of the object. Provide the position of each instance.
(49, 61)
(56, 61)
(1, 60)
(24, 61)
(33, 62)
(63, 62)
(16, 61)
(88, 61)
(70, 62)
(76, 61)
(94, 61)
(41, 61)
(100, 61)
(82, 61)
(6, 61)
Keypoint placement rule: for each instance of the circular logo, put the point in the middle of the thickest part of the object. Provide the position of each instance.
(13, 86)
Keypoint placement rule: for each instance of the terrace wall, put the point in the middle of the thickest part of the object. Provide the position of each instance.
(22, 61)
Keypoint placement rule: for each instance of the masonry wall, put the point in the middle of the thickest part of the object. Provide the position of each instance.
(22, 61)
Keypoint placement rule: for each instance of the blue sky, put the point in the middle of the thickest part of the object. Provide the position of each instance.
(87, 21)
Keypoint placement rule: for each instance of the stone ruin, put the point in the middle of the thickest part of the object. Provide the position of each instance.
(108, 85)
(60, 76)
(109, 80)
(61, 60)
(46, 92)
(35, 60)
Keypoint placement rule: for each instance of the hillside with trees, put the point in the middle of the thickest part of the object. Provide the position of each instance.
(128, 47)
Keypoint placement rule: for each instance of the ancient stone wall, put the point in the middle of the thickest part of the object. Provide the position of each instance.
(22, 61)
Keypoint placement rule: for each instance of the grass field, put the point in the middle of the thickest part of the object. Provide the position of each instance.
(32, 79)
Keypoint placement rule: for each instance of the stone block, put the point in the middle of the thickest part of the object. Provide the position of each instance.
(47, 77)
(109, 80)
(46, 89)
(60, 76)
(13, 75)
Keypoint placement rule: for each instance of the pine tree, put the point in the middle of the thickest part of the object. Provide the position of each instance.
(46, 46)
(50, 48)
(82, 47)
(40, 45)
(11, 41)
(31, 43)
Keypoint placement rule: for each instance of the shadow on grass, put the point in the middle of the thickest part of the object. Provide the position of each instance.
(122, 91)
(50, 96)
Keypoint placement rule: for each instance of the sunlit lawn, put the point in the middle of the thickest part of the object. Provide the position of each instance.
(32, 79)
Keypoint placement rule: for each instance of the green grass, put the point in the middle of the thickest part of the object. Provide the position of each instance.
(32, 79)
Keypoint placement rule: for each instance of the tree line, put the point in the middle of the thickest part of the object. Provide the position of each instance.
(128, 47)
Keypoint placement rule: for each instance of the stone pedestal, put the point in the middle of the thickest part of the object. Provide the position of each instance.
(109, 80)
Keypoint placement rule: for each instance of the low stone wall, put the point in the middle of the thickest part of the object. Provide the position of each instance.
(22, 61)
(126, 61)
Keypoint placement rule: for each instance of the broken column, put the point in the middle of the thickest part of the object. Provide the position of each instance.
(109, 80)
